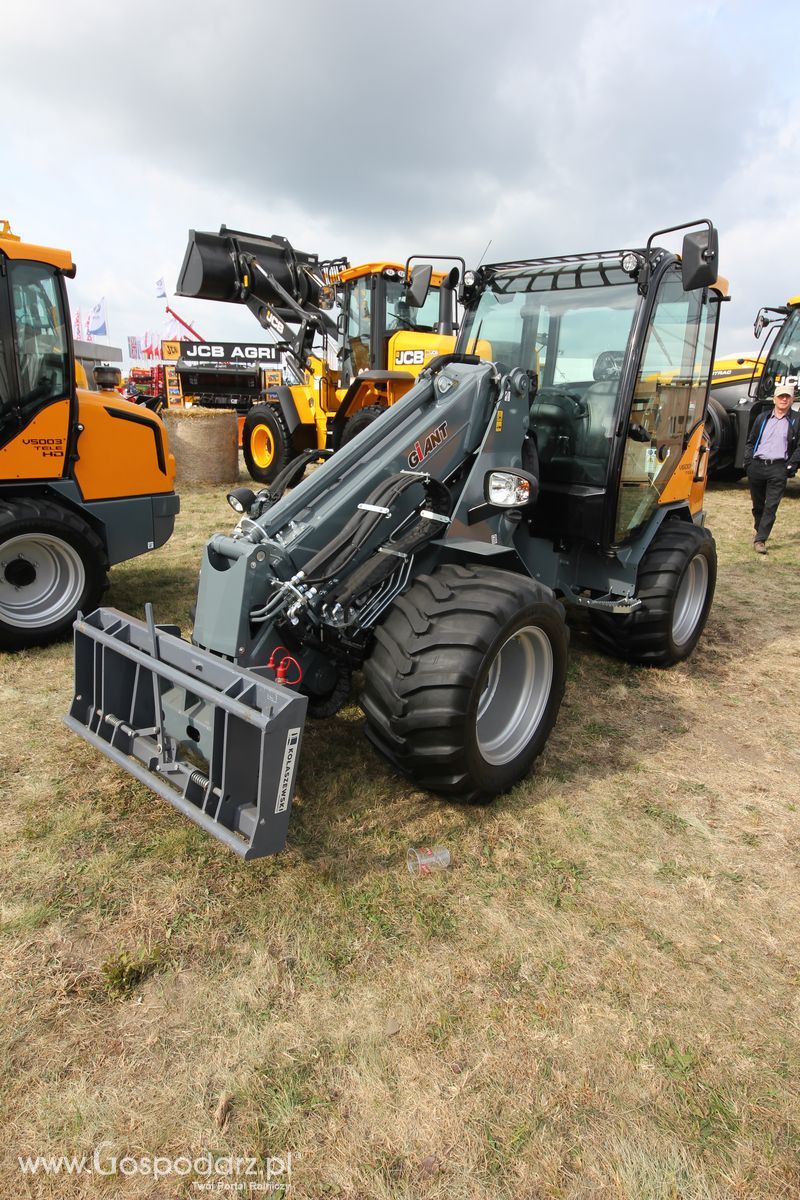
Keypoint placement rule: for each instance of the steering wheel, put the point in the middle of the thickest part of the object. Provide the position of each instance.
(608, 367)
(573, 406)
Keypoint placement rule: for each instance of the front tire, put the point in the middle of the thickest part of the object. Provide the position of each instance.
(675, 582)
(465, 680)
(266, 443)
(361, 421)
(52, 565)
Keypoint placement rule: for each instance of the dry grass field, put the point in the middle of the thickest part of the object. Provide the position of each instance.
(599, 999)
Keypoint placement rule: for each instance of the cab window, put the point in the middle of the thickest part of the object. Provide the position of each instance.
(41, 340)
(358, 328)
(400, 315)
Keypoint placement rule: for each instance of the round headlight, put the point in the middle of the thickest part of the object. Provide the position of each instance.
(241, 499)
(631, 263)
(469, 279)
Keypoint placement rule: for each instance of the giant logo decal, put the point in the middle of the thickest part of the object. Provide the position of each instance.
(423, 449)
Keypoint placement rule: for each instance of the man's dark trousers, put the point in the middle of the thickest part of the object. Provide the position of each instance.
(767, 485)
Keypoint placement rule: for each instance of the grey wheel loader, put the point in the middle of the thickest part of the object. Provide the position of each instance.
(556, 458)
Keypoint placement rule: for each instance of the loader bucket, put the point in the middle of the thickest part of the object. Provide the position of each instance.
(218, 741)
(212, 270)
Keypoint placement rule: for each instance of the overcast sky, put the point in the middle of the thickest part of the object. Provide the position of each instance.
(381, 130)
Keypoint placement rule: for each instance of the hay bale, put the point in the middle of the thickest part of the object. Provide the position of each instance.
(205, 443)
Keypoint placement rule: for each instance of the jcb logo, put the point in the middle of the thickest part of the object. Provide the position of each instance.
(276, 323)
(409, 358)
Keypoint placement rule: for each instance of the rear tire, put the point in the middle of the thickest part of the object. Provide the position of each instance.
(52, 565)
(266, 443)
(675, 582)
(465, 680)
(721, 440)
(360, 421)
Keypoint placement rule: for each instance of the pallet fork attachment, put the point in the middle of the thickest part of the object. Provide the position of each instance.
(218, 741)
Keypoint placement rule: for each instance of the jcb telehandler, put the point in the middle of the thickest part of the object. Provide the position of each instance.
(741, 389)
(389, 327)
(438, 550)
(86, 479)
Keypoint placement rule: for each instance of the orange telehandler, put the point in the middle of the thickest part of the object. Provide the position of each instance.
(86, 478)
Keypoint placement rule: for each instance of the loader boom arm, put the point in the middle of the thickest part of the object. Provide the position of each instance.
(280, 285)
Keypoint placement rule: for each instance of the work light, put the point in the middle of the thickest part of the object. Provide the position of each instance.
(241, 499)
(511, 489)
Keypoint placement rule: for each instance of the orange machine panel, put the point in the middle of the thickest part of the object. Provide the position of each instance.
(38, 450)
(122, 449)
(683, 482)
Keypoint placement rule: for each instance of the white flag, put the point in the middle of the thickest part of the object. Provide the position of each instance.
(98, 324)
(161, 291)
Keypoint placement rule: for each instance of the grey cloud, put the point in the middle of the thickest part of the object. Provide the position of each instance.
(390, 129)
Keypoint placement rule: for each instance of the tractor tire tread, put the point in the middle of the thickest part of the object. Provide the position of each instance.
(426, 657)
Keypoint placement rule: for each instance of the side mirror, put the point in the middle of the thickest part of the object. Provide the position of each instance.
(762, 321)
(700, 259)
(417, 287)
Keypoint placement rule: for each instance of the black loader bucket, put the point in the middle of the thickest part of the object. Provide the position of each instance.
(213, 267)
(219, 742)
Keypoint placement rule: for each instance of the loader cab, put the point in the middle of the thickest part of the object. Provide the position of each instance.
(621, 377)
(37, 392)
(783, 359)
(375, 307)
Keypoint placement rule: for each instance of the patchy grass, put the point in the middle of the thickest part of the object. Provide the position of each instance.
(600, 997)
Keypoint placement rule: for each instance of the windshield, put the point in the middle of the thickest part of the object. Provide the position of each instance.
(569, 325)
(784, 357)
(400, 315)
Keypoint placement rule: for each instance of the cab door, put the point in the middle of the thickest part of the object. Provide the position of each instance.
(36, 389)
(664, 426)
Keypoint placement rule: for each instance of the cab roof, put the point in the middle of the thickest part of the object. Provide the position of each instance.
(13, 247)
(377, 268)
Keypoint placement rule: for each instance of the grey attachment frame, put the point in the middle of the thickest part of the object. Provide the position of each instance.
(220, 742)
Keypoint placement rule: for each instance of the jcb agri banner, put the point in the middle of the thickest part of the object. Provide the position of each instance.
(221, 352)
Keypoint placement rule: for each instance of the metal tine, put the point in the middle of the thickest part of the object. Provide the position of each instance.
(151, 629)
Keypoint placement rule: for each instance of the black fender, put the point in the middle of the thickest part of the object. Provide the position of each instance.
(282, 396)
(336, 428)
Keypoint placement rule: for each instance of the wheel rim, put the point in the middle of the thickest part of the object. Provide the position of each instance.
(262, 445)
(690, 600)
(42, 579)
(515, 695)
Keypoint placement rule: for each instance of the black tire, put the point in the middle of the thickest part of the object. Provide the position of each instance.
(359, 422)
(675, 582)
(321, 707)
(431, 696)
(721, 440)
(266, 443)
(52, 564)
